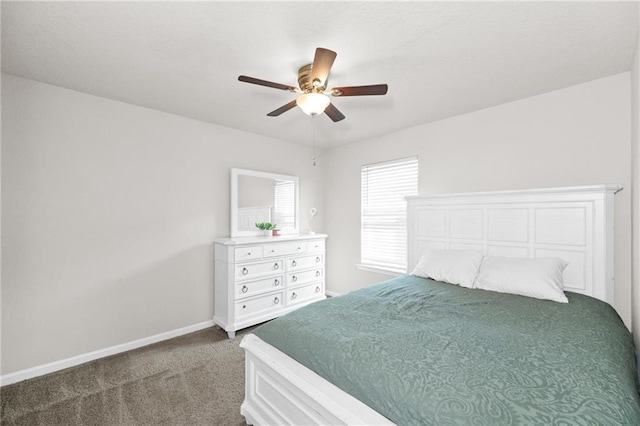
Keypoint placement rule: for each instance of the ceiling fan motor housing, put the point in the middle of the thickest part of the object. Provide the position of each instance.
(305, 82)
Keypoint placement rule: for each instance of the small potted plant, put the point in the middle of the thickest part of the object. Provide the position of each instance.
(266, 227)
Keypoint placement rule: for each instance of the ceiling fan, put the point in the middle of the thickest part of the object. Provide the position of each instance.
(312, 79)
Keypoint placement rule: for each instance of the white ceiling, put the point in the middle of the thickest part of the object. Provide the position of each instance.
(440, 59)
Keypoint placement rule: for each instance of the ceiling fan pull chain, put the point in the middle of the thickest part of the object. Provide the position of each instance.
(313, 126)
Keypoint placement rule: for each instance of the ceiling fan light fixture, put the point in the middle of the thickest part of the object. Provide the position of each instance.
(313, 103)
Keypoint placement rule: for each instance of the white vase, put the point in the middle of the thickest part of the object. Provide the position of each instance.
(267, 232)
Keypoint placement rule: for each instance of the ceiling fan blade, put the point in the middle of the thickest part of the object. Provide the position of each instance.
(322, 63)
(259, 82)
(334, 113)
(282, 109)
(376, 89)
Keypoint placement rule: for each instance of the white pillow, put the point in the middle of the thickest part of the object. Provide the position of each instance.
(451, 266)
(540, 278)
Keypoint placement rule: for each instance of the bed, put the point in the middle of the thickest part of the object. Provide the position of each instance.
(414, 350)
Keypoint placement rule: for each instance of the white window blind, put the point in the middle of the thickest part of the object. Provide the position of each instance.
(384, 212)
(284, 204)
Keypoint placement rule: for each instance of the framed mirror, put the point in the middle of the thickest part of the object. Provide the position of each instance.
(263, 197)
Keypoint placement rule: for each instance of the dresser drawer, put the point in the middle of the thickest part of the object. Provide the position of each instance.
(257, 305)
(301, 277)
(284, 249)
(247, 253)
(304, 293)
(254, 270)
(251, 288)
(315, 245)
(304, 262)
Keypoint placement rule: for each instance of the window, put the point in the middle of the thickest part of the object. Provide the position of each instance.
(383, 240)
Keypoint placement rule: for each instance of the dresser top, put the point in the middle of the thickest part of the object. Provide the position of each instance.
(235, 241)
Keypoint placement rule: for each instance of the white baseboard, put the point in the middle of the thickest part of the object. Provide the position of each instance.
(41, 370)
(332, 293)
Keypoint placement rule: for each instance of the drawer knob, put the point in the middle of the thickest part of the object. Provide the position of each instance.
(276, 265)
(318, 289)
(245, 271)
(276, 282)
(317, 273)
(276, 301)
(294, 279)
(249, 254)
(244, 306)
(245, 288)
(299, 248)
(294, 295)
(318, 259)
(294, 263)
(273, 251)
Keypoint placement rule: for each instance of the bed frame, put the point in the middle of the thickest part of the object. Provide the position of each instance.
(573, 223)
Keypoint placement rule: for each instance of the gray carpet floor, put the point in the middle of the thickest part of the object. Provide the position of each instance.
(197, 379)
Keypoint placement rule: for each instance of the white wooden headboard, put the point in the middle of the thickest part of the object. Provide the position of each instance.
(572, 223)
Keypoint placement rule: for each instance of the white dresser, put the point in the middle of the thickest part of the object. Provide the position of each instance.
(261, 278)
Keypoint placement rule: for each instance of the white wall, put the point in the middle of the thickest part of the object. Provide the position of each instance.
(635, 164)
(574, 136)
(109, 212)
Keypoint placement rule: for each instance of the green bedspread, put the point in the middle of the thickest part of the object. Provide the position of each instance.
(430, 353)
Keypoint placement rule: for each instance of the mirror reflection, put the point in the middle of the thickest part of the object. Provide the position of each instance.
(263, 197)
(265, 200)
